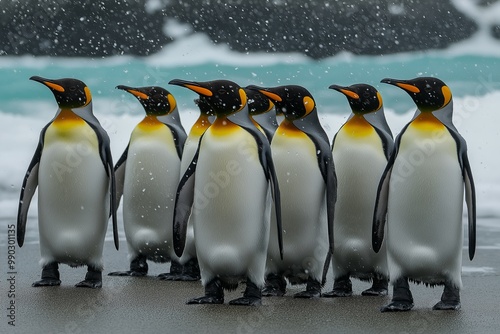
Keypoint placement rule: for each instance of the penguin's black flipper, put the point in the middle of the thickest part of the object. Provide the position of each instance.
(381, 202)
(105, 152)
(382, 199)
(183, 204)
(120, 175)
(275, 191)
(112, 196)
(242, 119)
(445, 116)
(470, 199)
(310, 125)
(30, 183)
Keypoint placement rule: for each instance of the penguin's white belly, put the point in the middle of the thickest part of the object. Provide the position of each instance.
(359, 164)
(303, 209)
(73, 201)
(230, 206)
(151, 179)
(424, 231)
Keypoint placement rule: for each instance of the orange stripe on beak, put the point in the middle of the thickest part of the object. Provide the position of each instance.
(54, 86)
(200, 90)
(408, 87)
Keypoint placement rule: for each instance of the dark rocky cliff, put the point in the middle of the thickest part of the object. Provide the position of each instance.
(318, 28)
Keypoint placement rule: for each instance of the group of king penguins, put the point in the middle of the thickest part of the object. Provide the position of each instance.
(256, 192)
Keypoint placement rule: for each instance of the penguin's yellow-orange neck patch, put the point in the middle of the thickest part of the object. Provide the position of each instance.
(223, 127)
(287, 128)
(150, 123)
(200, 126)
(426, 121)
(67, 120)
(357, 127)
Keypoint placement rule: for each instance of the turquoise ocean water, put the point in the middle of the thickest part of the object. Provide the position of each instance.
(466, 75)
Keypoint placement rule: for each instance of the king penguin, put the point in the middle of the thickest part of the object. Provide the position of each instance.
(226, 190)
(73, 170)
(147, 176)
(306, 175)
(421, 192)
(360, 150)
(262, 111)
(189, 261)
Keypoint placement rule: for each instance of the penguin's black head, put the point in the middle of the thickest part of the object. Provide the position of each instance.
(362, 98)
(204, 107)
(428, 93)
(258, 103)
(293, 101)
(155, 100)
(68, 92)
(224, 96)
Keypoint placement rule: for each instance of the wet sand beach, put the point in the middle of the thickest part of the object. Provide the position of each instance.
(127, 305)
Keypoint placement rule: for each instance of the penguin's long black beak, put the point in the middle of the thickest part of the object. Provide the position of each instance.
(52, 84)
(196, 87)
(274, 97)
(346, 91)
(406, 85)
(137, 92)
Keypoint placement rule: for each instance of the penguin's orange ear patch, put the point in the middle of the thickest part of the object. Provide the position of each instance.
(171, 101)
(379, 98)
(54, 86)
(88, 96)
(308, 104)
(243, 98)
(447, 94)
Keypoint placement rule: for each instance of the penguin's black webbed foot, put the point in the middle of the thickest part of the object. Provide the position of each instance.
(313, 290)
(138, 268)
(246, 301)
(93, 279)
(402, 299)
(447, 306)
(214, 294)
(50, 276)
(275, 286)
(251, 297)
(188, 278)
(174, 274)
(190, 271)
(342, 287)
(168, 277)
(46, 282)
(450, 299)
(129, 273)
(375, 292)
(397, 306)
(379, 288)
(206, 300)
